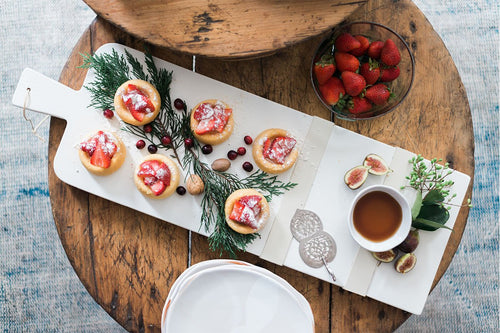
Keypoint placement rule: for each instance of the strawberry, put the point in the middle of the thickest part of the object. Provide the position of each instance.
(358, 105)
(332, 90)
(378, 94)
(389, 74)
(370, 71)
(375, 49)
(99, 158)
(346, 42)
(354, 83)
(280, 148)
(211, 117)
(205, 126)
(346, 62)
(246, 210)
(365, 43)
(324, 68)
(163, 174)
(148, 168)
(158, 187)
(137, 102)
(390, 54)
(266, 148)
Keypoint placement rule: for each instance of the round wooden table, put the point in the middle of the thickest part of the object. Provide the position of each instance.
(128, 261)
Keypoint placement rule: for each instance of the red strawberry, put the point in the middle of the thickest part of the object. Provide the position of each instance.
(324, 68)
(158, 187)
(266, 148)
(375, 49)
(148, 168)
(353, 83)
(365, 43)
(281, 147)
(346, 62)
(378, 94)
(346, 42)
(390, 54)
(163, 174)
(99, 158)
(370, 72)
(246, 210)
(137, 102)
(389, 74)
(358, 105)
(332, 90)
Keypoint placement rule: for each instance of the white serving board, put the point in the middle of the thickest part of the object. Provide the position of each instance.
(326, 194)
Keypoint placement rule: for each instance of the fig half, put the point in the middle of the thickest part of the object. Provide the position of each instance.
(376, 164)
(406, 263)
(386, 256)
(356, 177)
(411, 242)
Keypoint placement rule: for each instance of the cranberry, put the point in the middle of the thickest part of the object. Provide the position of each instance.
(247, 166)
(108, 113)
(181, 190)
(241, 151)
(148, 128)
(248, 139)
(189, 143)
(206, 149)
(232, 155)
(140, 144)
(179, 104)
(166, 140)
(152, 149)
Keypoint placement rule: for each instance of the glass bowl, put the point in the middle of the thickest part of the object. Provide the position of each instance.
(400, 87)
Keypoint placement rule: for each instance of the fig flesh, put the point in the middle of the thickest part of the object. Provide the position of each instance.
(376, 164)
(385, 256)
(356, 177)
(405, 263)
(410, 243)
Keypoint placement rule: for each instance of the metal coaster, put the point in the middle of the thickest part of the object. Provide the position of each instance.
(305, 223)
(317, 248)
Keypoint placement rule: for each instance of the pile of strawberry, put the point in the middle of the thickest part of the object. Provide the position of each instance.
(355, 77)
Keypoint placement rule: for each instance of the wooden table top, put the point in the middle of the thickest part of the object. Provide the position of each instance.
(128, 261)
(224, 28)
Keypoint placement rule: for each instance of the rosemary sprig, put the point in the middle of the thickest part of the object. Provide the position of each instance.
(111, 71)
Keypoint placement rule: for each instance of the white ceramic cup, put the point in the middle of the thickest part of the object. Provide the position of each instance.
(399, 236)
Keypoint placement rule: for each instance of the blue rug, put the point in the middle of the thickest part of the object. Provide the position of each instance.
(39, 291)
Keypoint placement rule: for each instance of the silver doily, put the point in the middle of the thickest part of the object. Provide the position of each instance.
(305, 223)
(318, 249)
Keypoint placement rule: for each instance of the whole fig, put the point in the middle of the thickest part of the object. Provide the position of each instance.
(410, 243)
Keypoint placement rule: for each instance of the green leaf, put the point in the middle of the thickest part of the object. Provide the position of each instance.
(433, 197)
(431, 217)
(417, 205)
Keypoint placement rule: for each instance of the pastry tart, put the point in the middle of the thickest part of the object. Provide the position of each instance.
(246, 211)
(274, 150)
(212, 121)
(157, 176)
(137, 102)
(102, 153)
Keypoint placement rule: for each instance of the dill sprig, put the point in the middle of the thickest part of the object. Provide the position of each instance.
(111, 71)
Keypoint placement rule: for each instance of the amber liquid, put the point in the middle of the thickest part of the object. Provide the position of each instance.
(377, 216)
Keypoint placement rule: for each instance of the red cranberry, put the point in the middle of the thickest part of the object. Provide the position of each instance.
(148, 128)
(152, 149)
(206, 149)
(181, 190)
(248, 139)
(108, 113)
(241, 151)
(189, 143)
(247, 166)
(232, 155)
(166, 140)
(140, 144)
(179, 104)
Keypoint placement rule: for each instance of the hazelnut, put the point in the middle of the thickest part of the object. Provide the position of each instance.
(194, 184)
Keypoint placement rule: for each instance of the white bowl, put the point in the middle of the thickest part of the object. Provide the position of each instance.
(399, 236)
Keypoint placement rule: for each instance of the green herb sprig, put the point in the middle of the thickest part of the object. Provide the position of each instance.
(111, 71)
(430, 210)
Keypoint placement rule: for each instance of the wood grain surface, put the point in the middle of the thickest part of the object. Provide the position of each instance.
(225, 28)
(128, 261)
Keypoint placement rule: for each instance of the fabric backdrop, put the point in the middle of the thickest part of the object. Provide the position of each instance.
(39, 291)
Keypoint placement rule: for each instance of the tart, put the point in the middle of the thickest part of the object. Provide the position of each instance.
(212, 121)
(157, 176)
(102, 153)
(246, 211)
(275, 151)
(137, 102)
